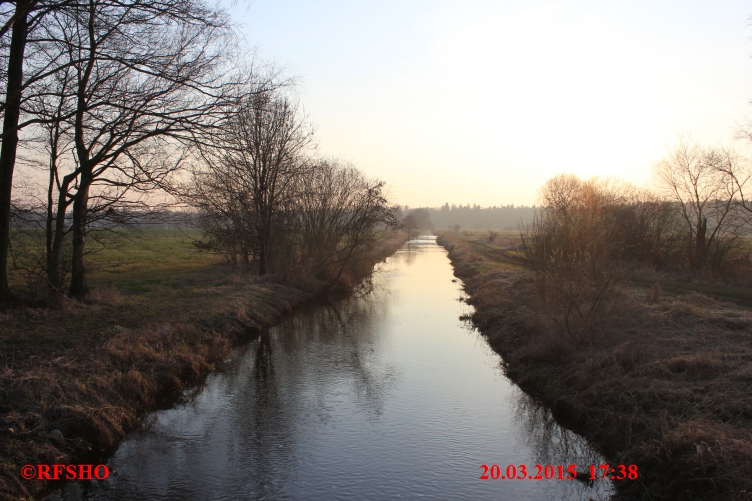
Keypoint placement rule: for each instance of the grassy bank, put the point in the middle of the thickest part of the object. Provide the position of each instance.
(665, 383)
(159, 318)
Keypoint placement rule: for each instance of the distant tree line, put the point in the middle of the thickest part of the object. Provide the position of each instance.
(471, 217)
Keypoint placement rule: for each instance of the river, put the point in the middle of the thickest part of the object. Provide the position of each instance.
(385, 396)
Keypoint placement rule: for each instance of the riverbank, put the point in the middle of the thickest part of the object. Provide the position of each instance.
(92, 370)
(665, 384)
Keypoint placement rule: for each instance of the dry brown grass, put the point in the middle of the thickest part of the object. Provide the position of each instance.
(96, 392)
(107, 295)
(665, 383)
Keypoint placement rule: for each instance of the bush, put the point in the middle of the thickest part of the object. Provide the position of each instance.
(581, 240)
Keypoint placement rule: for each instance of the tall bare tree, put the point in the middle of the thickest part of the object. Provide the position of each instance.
(705, 183)
(340, 211)
(261, 151)
(327, 224)
(410, 225)
(16, 21)
(144, 80)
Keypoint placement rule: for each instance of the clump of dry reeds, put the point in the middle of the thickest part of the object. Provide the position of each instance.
(95, 394)
(702, 459)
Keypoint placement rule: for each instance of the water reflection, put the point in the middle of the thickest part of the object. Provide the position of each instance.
(380, 397)
(553, 444)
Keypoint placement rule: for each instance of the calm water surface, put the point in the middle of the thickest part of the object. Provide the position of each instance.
(389, 396)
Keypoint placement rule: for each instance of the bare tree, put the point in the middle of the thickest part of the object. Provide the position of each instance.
(567, 249)
(327, 221)
(340, 212)
(705, 183)
(17, 22)
(144, 80)
(583, 239)
(225, 214)
(410, 225)
(260, 153)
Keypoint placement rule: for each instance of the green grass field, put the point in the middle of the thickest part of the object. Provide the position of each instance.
(136, 277)
(130, 260)
(137, 260)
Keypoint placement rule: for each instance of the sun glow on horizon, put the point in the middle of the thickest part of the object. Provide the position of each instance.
(482, 101)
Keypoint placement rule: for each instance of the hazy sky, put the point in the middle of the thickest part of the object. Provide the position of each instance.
(479, 101)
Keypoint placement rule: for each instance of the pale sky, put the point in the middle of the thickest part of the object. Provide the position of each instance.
(481, 101)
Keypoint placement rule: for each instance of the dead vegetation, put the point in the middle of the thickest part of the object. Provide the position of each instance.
(663, 382)
(94, 393)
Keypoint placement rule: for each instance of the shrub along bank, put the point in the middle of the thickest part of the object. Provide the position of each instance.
(658, 380)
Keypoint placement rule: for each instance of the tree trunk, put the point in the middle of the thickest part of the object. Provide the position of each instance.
(700, 246)
(78, 287)
(10, 136)
(264, 237)
(55, 237)
(263, 246)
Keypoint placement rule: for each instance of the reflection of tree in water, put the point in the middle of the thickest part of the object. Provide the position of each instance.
(409, 252)
(553, 444)
(250, 433)
(268, 427)
(264, 366)
(288, 383)
(337, 342)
